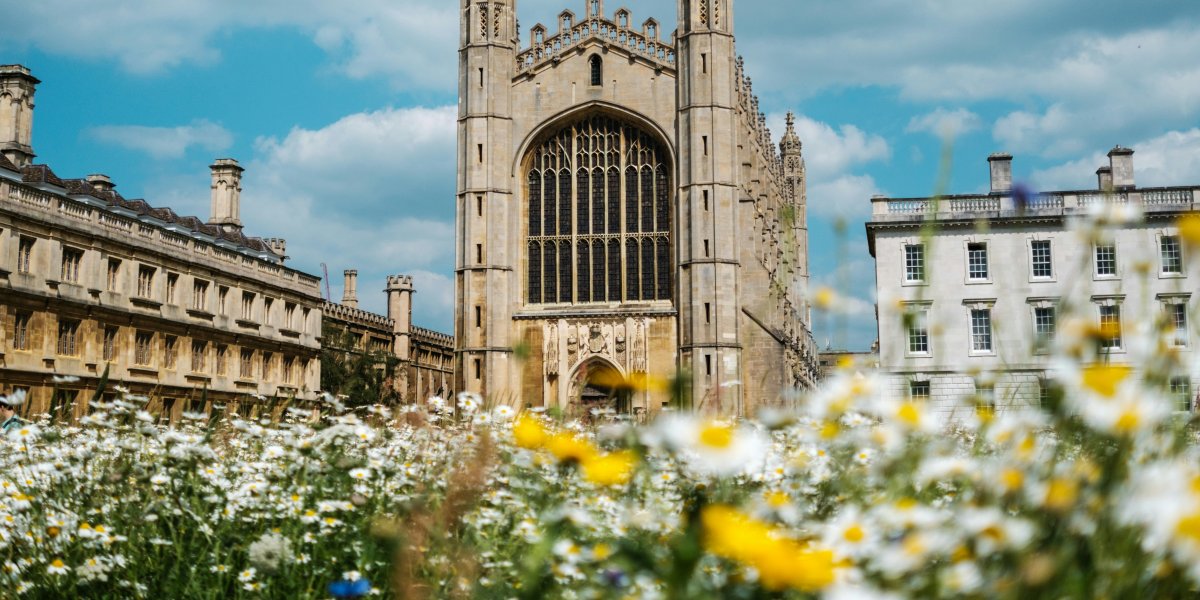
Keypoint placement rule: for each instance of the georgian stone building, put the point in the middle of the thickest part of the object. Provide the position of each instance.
(623, 210)
(169, 306)
(972, 287)
(425, 358)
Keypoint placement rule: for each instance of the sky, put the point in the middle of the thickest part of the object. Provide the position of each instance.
(343, 113)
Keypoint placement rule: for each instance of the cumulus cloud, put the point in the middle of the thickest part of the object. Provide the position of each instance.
(164, 142)
(1170, 159)
(945, 123)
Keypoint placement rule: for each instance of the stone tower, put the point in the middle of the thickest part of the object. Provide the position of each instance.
(623, 212)
(708, 236)
(17, 87)
(484, 273)
(399, 310)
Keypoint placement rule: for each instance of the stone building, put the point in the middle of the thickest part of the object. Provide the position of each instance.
(425, 358)
(973, 307)
(623, 210)
(169, 306)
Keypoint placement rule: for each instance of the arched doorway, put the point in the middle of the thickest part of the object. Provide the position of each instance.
(600, 385)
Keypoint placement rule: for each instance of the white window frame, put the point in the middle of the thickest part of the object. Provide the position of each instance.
(920, 314)
(987, 262)
(1096, 274)
(1105, 302)
(988, 305)
(1033, 276)
(1177, 338)
(1040, 345)
(1174, 391)
(904, 280)
(1160, 237)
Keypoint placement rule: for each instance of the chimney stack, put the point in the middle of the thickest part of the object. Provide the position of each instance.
(1104, 178)
(1120, 160)
(350, 289)
(399, 310)
(17, 87)
(226, 194)
(1001, 172)
(279, 247)
(101, 182)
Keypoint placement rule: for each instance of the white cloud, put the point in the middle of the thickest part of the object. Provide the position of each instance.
(945, 123)
(1170, 159)
(164, 142)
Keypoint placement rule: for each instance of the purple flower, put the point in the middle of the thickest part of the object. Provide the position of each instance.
(1021, 195)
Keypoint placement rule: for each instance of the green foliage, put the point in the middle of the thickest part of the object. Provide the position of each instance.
(360, 375)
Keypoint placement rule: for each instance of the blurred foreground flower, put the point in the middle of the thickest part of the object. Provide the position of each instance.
(781, 563)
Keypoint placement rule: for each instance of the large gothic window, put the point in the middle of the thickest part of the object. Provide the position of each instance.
(599, 216)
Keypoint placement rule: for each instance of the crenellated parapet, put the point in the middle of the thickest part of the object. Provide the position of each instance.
(341, 312)
(618, 32)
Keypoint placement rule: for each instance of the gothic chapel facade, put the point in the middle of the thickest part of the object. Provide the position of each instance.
(622, 210)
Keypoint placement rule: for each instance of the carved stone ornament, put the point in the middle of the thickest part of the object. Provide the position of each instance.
(551, 352)
(596, 343)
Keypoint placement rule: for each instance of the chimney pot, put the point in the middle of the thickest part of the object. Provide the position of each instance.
(1104, 179)
(1000, 165)
(350, 288)
(101, 182)
(1120, 160)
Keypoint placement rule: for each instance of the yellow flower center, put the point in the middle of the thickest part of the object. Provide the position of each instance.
(909, 414)
(1189, 527)
(1061, 494)
(1189, 228)
(716, 436)
(1012, 479)
(854, 534)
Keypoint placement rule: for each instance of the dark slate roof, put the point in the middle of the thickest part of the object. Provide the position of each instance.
(4, 164)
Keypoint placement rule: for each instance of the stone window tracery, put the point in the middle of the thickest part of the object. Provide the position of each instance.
(599, 216)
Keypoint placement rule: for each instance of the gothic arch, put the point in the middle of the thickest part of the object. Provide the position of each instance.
(597, 381)
(556, 122)
(598, 211)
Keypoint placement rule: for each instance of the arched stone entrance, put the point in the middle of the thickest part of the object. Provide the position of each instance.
(599, 384)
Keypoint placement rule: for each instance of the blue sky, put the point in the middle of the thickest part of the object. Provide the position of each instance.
(343, 113)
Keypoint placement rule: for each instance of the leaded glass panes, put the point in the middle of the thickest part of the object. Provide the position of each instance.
(616, 182)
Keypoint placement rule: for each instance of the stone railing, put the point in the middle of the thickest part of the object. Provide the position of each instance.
(544, 49)
(135, 230)
(341, 312)
(965, 205)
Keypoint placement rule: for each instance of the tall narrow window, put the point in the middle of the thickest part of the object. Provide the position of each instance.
(172, 283)
(109, 350)
(267, 304)
(248, 306)
(1177, 321)
(1106, 260)
(1110, 327)
(977, 261)
(223, 299)
(289, 315)
(170, 352)
(1172, 255)
(981, 330)
(68, 338)
(914, 263)
(1181, 392)
(145, 281)
(199, 356)
(246, 368)
(199, 295)
(597, 70)
(21, 331)
(1042, 261)
(268, 365)
(71, 260)
(113, 275)
(918, 330)
(142, 342)
(289, 370)
(222, 357)
(1044, 326)
(25, 254)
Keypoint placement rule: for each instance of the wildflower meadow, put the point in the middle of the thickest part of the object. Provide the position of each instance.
(850, 494)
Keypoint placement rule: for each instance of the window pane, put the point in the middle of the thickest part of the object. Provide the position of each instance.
(977, 262)
(1041, 258)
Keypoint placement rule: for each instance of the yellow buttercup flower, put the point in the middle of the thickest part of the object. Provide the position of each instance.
(615, 468)
(1189, 228)
(781, 563)
(567, 447)
(529, 433)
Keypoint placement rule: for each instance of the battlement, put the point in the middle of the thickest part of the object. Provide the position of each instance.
(399, 282)
(619, 31)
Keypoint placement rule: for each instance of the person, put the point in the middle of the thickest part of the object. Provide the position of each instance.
(8, 411)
